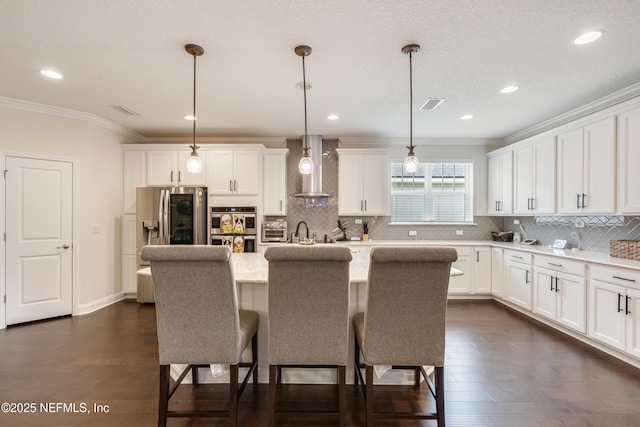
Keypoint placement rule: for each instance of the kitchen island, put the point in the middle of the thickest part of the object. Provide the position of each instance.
(251, 273)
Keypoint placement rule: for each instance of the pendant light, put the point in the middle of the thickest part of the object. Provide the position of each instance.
(411, 162)
(306, 163)
(194, 164)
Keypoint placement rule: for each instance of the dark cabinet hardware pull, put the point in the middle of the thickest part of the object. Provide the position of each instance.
(623, 278)
(516, 256)
(171, 177)
(578, 201)
(179, 176)
(551, 277)
(626, 305)
(557, 284)
(526, 277)
(555, 265)
(532, 205)
(584, 197)
(619, 308)
(477, 256)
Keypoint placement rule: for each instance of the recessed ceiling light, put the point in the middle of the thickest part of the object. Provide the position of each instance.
(466, 117)
(333, 117)
(588, 37)
(51, 74)
(190, 117)
(509, 89)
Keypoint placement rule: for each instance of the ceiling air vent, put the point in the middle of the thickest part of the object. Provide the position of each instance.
(432, 103)
(125, 110)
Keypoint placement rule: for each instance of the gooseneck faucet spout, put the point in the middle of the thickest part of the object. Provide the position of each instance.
(298, 229)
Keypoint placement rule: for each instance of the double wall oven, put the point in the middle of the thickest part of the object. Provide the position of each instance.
(234, 227)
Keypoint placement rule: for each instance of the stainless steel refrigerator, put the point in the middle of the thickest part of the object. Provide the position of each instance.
(170, 216)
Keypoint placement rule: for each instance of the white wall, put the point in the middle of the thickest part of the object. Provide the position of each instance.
(98, 190)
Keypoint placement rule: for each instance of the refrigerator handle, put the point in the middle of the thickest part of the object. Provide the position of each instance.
(161, 218)
(167, 234)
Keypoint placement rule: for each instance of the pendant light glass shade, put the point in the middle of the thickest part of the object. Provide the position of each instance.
(305, 166)
(194, 164)
(411, 162)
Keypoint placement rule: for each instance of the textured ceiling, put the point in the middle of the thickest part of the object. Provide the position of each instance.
(132, 53)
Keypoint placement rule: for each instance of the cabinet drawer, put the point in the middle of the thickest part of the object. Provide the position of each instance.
(463, 250)
(560, 264)
(618, 276)
(517, 256)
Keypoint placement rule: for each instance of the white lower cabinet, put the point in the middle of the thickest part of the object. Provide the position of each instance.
(482, 270)
(613, 304)
(462, 284)
(518, 276)
(559, 295)
(497, 272)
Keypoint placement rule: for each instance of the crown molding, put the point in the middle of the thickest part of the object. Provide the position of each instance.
(386, 142)
(269, 142)
(34, 107)
(600, 104)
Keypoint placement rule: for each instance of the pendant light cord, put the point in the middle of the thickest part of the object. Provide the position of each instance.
(194, 102)
(410, 100)
(304, 87)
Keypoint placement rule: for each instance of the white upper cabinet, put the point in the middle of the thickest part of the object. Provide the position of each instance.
(169, 167)
(629, 162)
(535, 177)
(500, 198)
(232, 172)
(363, 183)
(587, 169)
(275, 182)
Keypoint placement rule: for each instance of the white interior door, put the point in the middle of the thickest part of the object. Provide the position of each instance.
(39, 236)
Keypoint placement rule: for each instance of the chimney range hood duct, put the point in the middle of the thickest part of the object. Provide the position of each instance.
(312, 183)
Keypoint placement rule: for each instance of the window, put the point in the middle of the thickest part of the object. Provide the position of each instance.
(437, 192)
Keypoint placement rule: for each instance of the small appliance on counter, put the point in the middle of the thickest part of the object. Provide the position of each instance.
(274, 231)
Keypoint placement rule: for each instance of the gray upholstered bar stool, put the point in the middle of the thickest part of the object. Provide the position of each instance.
(404, 321)
(308, 313)
(199, 322)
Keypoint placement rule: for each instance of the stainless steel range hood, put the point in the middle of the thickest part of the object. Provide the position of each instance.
(312, 183)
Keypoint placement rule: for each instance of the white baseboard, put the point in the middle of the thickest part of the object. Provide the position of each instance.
(98, 304)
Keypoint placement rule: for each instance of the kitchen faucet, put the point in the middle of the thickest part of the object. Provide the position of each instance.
(298, 229)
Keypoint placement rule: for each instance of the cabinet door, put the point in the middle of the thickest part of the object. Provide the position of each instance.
(220, 172)
(462, 284)
(162, 167)
(497, 272)
(482, 270)
(494, 182)
(544, 293)
(350, 184)
(245, 172)
(600, 167)
(275, 184)
(523, 180)
(544, 176)
(134, 176)
(188, 178)
(375, 182)
(632, 308)
(572, 302)
(570, 172)
(506, 183)
(606, 322)
(518, 278)
(129, 279)
(628, 155)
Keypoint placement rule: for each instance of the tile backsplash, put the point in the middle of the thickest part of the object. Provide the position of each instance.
(321, 215)
(594, 236)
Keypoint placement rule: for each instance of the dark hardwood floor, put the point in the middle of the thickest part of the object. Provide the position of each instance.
(502, 370)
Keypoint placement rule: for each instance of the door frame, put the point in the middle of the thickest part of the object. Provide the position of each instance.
(74, 228)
